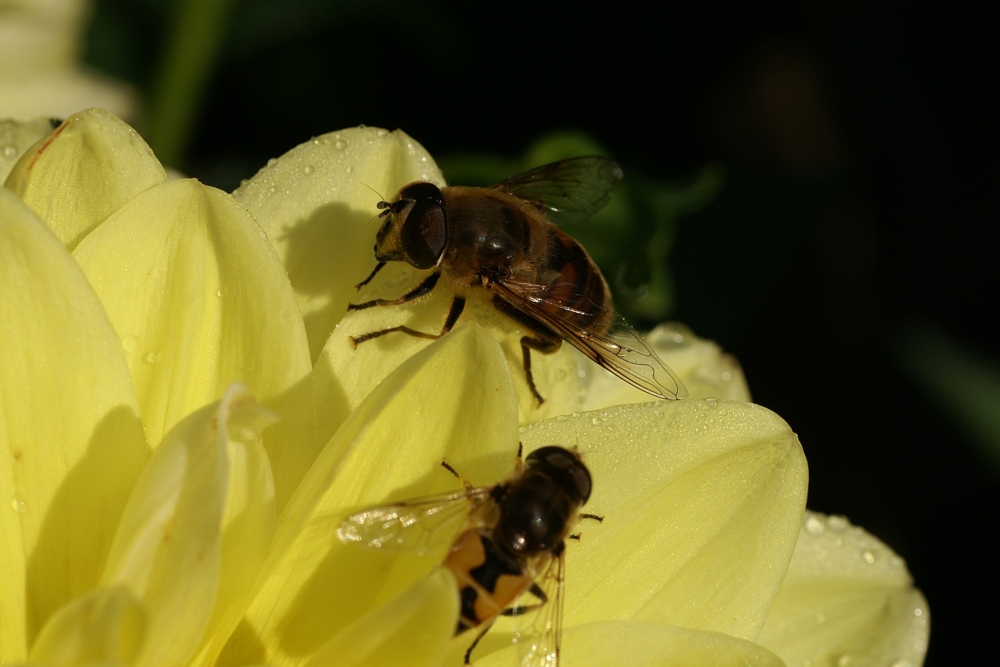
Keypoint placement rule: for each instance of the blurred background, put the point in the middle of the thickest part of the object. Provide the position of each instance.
(814, 186)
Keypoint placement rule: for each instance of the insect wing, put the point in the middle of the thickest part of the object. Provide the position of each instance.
(539, 644)
(570, 190)
(619, 349)
(412, 525)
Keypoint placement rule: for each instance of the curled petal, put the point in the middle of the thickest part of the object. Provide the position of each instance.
(107, 626)
(616, 643)
(702, 501)
(847, 599)
(71, 444)
(317, 205)
(452, 401)
(85, 170)
(200, 301)
(197, 527)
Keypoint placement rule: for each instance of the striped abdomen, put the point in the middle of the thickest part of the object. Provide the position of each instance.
(488, 580)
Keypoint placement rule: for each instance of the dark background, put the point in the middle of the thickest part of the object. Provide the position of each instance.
(859, 145)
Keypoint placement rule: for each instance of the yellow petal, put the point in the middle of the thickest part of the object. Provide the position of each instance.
(105, 626)
(704, 369)
(847, 600)
(453, 400)
(317, 205)
(344, 374)
(200, 301)
(614, 644)
(71, 445)
(17, 137)
(702, 501)
(83, 172)
(188, 519)
(411, 630)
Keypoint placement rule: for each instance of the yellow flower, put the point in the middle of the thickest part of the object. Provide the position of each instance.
(221, 548)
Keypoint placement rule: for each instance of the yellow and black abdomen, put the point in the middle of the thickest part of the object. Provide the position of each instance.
(489, 581)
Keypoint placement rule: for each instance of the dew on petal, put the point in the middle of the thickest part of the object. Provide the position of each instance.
(130, 343)
(152, 358)
(309, 169)
(19, 504)
(868, 556)
(340, 144)
(10, 151)
(837, 523)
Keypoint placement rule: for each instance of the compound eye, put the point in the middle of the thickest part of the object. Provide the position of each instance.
(424, 233)
(564, 466)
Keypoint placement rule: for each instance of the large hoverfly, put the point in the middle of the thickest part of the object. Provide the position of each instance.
(513, 543)
(501, 242)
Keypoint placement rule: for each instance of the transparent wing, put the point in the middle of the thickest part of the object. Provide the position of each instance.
(412, 525)
(540, 642)
(619, 348)
(569, 190)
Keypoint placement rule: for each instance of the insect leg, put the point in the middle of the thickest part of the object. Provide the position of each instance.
(378, 267)
(543, 345)
(447, 466)
(535, 590)
(479, 635)
(545, 340)
(457, 305)
(595, 517)
(423, 288)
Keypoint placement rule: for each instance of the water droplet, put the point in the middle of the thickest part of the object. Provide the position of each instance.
(218, 292)
(152, 358)
(340, 144)
(272, 162)
(309, 169)
(382, 132)
(243, 182)
(596, 421)
(726, 376)
(814, 526)
(10, 151)
(868, 556)
(349, 169)
(263, 234)
(19, 504)
(245, 434)
(423, 159)
(846, 660)
(918, 611)
(362, 127)
(836, 523)
(130, 343)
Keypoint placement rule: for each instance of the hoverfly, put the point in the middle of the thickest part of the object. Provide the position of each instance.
(513, 542)
(501, 242)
